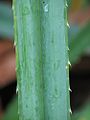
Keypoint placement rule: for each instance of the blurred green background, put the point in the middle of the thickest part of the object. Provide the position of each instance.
(79, 45)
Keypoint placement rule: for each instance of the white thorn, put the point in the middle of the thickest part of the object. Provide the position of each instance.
(66, 4)
(46, 8)
(69, 63)
(12, 7)
(14, 43)
(70, 90)
(70, 111)
(68, 25)
(16, 90)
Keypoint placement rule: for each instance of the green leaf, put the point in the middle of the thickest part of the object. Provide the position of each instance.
(42, 59)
